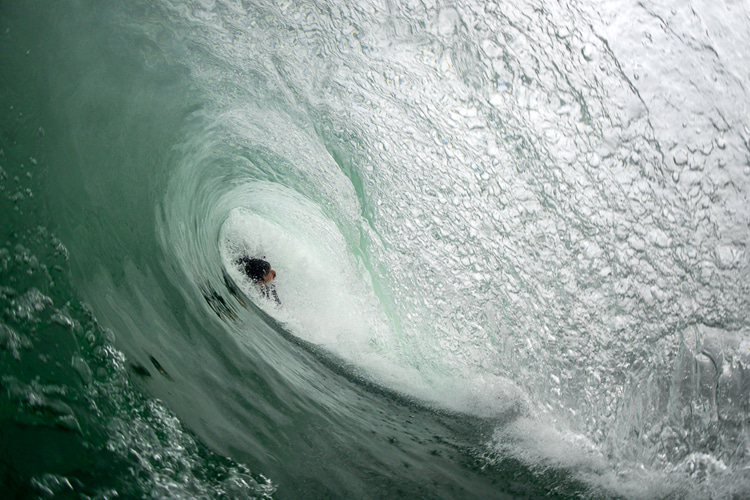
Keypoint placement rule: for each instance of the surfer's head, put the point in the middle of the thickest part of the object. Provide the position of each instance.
(257, 270)
(269, 276)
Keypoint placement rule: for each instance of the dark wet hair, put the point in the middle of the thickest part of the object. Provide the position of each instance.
(254, 268)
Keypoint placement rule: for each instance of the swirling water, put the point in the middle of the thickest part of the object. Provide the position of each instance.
(511, 243)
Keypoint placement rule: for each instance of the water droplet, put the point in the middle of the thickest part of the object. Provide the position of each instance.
(680, 157)
(588, 51)
(62, 318)
(82, 368)
(636, 243)
(12, 341)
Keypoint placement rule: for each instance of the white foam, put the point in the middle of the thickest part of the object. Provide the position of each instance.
(328, 299)
(325, 293)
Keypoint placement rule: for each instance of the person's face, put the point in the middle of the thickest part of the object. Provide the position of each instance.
(270, 275)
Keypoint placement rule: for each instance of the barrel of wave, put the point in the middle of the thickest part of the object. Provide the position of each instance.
(325, 293)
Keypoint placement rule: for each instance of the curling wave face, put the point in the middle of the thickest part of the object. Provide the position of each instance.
(506, 192)
(492, 210)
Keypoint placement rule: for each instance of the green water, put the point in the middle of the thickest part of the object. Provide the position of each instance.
(509, 264)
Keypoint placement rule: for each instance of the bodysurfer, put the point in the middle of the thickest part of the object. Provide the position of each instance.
(261, 273)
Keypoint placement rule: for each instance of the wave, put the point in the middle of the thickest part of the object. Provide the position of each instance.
(481, 215)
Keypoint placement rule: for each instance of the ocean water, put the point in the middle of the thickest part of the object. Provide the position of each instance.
(511, 241)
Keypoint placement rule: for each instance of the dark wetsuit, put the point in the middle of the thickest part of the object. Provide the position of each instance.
(269, 291)
(255, 269)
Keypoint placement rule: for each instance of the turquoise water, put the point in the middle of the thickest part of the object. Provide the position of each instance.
(511, 244)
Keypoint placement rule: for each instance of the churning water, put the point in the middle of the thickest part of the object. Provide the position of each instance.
(511, 241)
